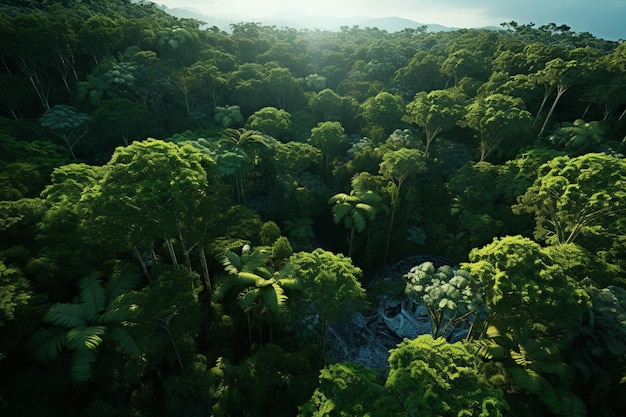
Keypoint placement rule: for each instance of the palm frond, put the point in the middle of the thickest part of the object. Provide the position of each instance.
(231, 262)
(119, 315)
(125, 341)
(255, 260)
(571, 405)
(245, 279)
(289, 283)
(274, 298)
(248, 297)
(359, 221)
(92, 295)
(528, 380)
(66, 315)
(81, 364)
(85, 337)
(121, 282)
(47, 343)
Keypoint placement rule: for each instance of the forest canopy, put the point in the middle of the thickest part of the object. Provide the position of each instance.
(198, 222)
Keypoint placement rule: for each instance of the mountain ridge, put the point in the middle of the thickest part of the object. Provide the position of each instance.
(299, 21)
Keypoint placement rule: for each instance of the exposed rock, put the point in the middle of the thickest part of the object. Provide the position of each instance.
(368, 337)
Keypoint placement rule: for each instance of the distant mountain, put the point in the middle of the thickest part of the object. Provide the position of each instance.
(299, 21)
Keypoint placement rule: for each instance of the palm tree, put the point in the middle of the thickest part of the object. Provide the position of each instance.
(247, 142)
(261, 288)
(355, 211)
(81, 326)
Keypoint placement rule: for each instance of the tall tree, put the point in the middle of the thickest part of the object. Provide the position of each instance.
(397, 167)
(435, 112)
(355, 211)
(495, 118)
(574, 199)
(331, 287)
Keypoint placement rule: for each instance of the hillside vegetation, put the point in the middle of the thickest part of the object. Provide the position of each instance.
(185, 214)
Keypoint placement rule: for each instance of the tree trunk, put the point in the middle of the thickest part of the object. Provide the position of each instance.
(559, 93)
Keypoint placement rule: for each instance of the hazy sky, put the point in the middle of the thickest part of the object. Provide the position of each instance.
(603, 18)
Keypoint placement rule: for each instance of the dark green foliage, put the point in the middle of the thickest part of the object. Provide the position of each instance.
(265, 125)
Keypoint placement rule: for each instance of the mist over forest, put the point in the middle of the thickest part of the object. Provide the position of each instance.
(276, 221)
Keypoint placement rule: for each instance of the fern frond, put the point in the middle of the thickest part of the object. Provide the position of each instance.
(275, 299)
(359, 221)
(81, 365)
(47, 343)
(119, 314)
(85, 337)
(231, 262)
(125, 341)
(248, 297)
(92, 295)
(120, 283)
(571, 405)
(66, 315)
(527, 379)
(255, 260)
(289, 283)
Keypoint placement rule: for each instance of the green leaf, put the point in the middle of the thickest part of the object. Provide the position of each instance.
(92, 295)
(85, 337)
(125, 341)
(119, 314)
(66, 315)
(120, 283)
(47, 343)
(248, 297)
(81, 365)
(571, 405)
(528, 379)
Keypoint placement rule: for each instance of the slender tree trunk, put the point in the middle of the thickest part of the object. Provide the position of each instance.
(351, 243)
(172, 253)
(560, 91)
(547, 92)
(205, 270)
(144, 267)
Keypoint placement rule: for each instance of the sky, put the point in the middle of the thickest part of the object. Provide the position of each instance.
(602, 18)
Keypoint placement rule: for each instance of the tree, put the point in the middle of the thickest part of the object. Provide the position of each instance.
(355, 211)
(151, 191)
(384, 110)
(558, 75)
(496, 118)
(435, 112)
(244, 143)
(329, 283)
(532, 302)
(261, 288)
(81, 327)
(123, 119)
(67, 123)
(270, 121)
(345, 389)
(579, 198)
(397, 167)
(331, 139)
(431, 377)
(450, 296)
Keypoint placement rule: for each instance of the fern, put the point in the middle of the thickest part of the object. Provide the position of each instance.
(48, 343)
(81, 365)
(92, 295)
(120, 283)
(125, 341)
(66, 315)
(85, 337)
(527, 379)
(571, 405)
